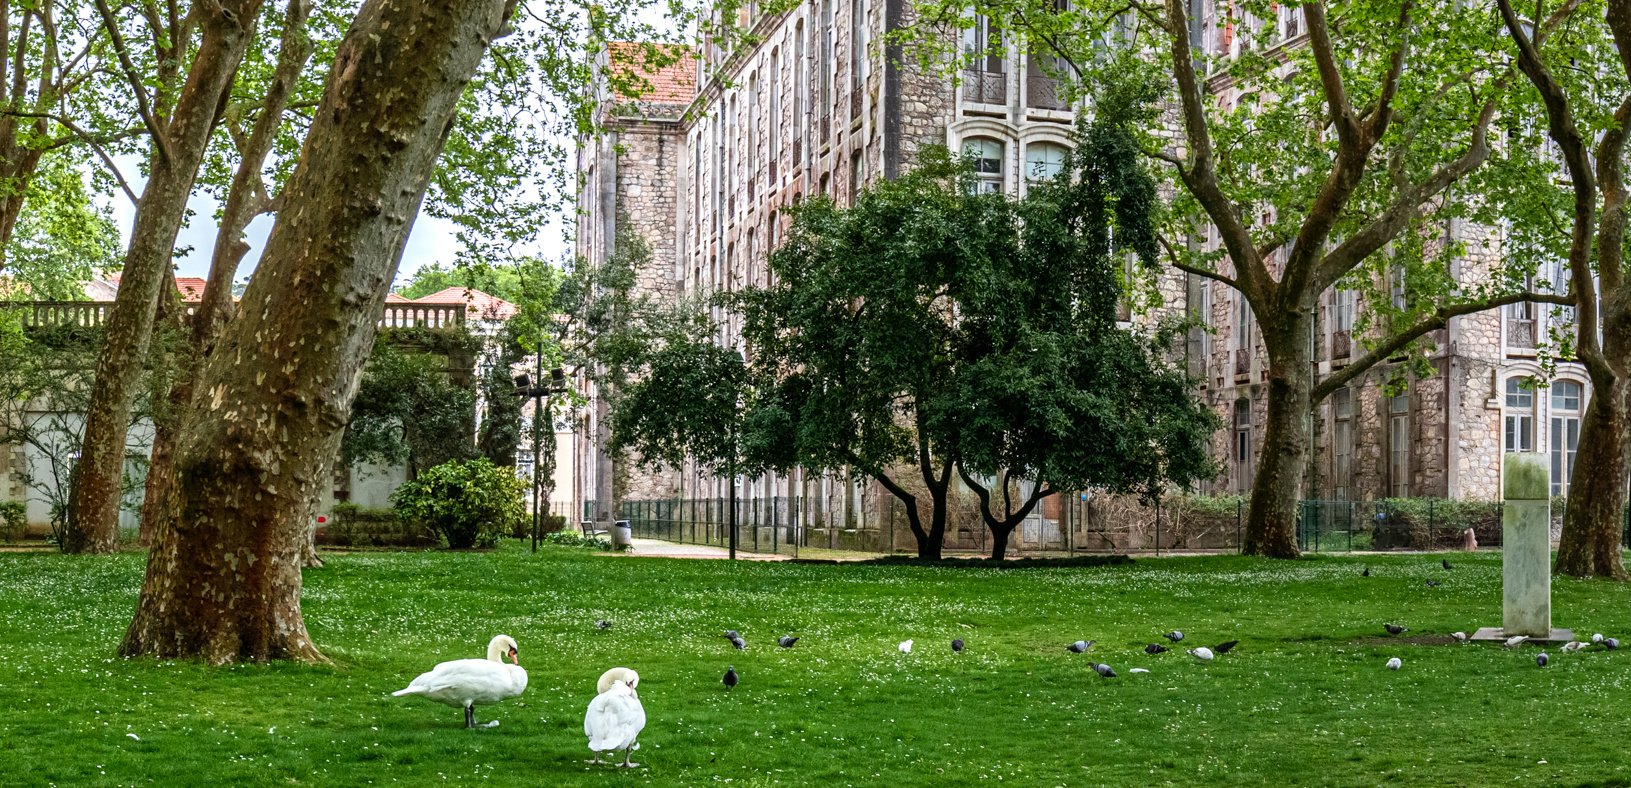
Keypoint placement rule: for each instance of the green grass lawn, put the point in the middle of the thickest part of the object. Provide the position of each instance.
(1303, 700)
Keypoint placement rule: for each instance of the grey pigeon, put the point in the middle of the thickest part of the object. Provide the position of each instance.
(1079, 646)
(1154, 648)
(786, 641)
(1395, 629)
(957, 645)
(1612, 643)
(1223, 648)
(1542, 659)
(730, 678)
(1174, 636)
(739, 643)
(1432, 583)
(1446, 563)
(603, 624)
(1104, 671)
(731, 634)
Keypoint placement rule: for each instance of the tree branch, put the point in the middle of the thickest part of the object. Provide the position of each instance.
(133, 77)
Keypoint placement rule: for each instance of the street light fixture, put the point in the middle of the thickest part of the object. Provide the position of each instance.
(541, 397)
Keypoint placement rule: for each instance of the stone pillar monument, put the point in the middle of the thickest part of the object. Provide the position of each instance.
(1526, 553)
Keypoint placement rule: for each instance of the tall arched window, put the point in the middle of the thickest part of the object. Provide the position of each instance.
(1567, 398)
(1243, 445)
(1044, 160)
(988, 155)
(1520, 416)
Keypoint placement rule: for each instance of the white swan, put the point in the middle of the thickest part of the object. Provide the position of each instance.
(624, 675)
(614, 721)
(466, 682)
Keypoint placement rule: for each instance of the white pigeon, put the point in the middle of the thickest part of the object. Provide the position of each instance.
(614, 721)
(1394, 664)
(1138, 670)
(1516, 640)
(905, 647)
(466, 682)
(1202, 653)
(1460, 637)
(1573, 646)
(624, 675)
(1597, 637)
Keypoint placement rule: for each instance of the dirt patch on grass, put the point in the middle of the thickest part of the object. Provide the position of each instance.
(1414, 640)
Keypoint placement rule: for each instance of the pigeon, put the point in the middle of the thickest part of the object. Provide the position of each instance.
(1104, 671)
(1080, 646)
(1612, 643)
(1573, 646)
(786, 641)
(1174, 636)
(1223, 648)
(1138, 670)
(1432, 583)
(1365, 573)
(1203, 653)
(603, 624)
(1154, 648)
(1460, 637)
(1516, 640)
(730, 678)
(1541, 659)
(1395, 663)
(957, 645)
(1597, 638)
(905, 647)
(731, 634)
(1395, 629)
(1446, 563)
(740, 644)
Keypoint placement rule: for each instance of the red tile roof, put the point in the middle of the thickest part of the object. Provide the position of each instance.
(481, 306)
(675, 83)
(190, 287)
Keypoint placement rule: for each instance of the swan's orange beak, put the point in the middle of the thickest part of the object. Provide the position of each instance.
(515, 656)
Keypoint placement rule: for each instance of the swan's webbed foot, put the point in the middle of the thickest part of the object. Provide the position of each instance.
(626, 756)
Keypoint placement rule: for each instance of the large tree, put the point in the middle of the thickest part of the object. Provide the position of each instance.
(223, 580)
(1324, 160)
(1583, 80)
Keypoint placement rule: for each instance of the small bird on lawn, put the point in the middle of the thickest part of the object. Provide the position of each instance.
(731, 634)
(1542, 659)
(905, 647)
(1080, 646)
(1612, 643)
(730, 677)
(1395, 629)
(1203, 653)
(1174, 636)
(1104, 671)
(602, 624)
(1432, 584)
(1446, 563)
(1154, 648)
(1394, 664)
(1460, 637)
(1223, 648)
(786, 641)
(1365, 573)
(1516, 640)
(1597, 638)
(740, 644)
(1573, 646)
(957, 645)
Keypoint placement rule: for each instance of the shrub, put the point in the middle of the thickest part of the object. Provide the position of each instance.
(468, 503)
(574, 539)
(552, 523)
(13, 518)
(355, 526)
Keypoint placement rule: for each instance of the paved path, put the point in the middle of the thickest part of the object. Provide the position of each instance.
(657, 548)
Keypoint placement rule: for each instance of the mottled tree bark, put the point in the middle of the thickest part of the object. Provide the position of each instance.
(1590, 545)
(223, 580)
(1271, 528)
(93, 512)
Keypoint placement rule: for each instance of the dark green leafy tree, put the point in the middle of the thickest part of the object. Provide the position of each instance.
(468, 503)
(410, 410)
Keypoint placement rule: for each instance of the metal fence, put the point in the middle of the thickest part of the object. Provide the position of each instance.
(1075, 524)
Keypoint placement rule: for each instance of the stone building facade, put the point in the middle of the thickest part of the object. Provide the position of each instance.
(701, 166)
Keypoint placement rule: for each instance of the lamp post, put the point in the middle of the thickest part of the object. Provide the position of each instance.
(543, 416)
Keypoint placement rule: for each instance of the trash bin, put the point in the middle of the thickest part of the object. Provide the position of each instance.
(622, 535)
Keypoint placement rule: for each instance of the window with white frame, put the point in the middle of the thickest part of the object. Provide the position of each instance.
(1243, 445)
(987, 154)
(1399, 446)
(1567, 398)
(1342, 309)
(1291, 20)
(1520, 416)
(1342, 444)
(1044, 160)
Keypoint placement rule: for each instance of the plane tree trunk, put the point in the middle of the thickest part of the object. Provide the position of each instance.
(223, 580)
